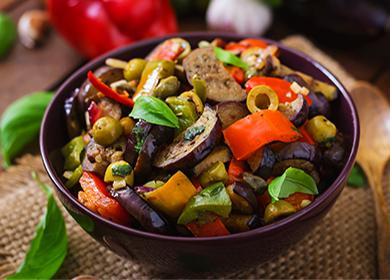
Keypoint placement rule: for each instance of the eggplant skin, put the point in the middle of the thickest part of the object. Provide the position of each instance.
(320, 105)
(305, 165)
(298, 150)
(88, 93)
(297, 111)
(262, 162)
(296, 78)
(148, 218)
(74, 122)
(139, 132)
(231, 111)
(219, 153)
(182, 154)
(220, 85)
(158, 136)
(247, 193)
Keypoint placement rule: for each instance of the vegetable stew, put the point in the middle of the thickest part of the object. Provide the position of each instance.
(204, 141)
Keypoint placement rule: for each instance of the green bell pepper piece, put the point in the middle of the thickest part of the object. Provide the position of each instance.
(75, 177)
(72, 153)
(184, 110)
(216, 173)
(7, 34)
(152, 74)
(212, 199)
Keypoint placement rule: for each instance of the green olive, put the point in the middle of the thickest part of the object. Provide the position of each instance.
(321, 129)
(134, 68)
(127, 125)
(106, 130)
(278, 209)
(167, 87)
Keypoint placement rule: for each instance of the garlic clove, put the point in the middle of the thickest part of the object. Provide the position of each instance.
(32, 28)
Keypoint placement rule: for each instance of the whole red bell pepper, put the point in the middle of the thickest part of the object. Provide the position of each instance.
(94, 27)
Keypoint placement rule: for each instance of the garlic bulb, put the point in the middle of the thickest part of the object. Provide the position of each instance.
(250, 17)
(32, 28)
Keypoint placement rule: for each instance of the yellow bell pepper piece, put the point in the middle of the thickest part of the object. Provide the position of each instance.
(173, 196)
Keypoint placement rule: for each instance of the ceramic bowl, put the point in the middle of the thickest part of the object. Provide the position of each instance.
(182, 255)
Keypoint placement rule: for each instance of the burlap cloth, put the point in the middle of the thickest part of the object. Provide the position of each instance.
(342, 246)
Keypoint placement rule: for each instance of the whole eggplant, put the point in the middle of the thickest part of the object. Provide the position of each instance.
(148, 218)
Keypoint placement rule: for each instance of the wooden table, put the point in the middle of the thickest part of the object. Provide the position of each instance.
(24, 71)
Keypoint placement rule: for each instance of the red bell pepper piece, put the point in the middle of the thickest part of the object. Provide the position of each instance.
(94, 112)
(306, 137)
(109, 92)
(254, 131)
(237, 73)
(296, 199)
(245, 44)
(214, 228)
(280, 86)
(168, 50)
(235, 170)
(96, 198)
(94, 27)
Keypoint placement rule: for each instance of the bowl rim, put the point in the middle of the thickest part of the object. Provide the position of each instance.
(255, 233)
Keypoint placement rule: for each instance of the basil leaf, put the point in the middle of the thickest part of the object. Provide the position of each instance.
(229, 58)
(49, 246)
(21, 122)
(7, 34)
(293, 180)
(357, 178)
(155, 111)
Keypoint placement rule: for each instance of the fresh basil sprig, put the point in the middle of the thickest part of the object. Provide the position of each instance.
(357, 178)
(21, 122)
(7, 34)
(49, 246)
(293, 180)
(229, 58)
(155, 111)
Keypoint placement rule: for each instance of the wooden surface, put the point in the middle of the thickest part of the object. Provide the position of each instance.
(24, 71)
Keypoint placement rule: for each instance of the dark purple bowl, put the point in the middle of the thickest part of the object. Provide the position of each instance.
(183, 255)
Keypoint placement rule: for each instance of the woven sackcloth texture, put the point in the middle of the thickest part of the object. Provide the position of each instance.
(341, 246)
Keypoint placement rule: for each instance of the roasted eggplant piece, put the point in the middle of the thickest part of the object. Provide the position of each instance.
(136, 140)
(148, 218)
(262, 162)
(88, 93)
(230, 112)
(183, 154)
(158, 136)
(296, 111)
(243, 198)
(73, 119)
(319, 106)
(241, 223)
(221, 86)
(296, 78)
(256, 183)
(98, 157)
(305, 165)
(220, 153)
(298, 150)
